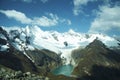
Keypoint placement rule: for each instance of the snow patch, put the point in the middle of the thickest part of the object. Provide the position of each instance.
(4, 47)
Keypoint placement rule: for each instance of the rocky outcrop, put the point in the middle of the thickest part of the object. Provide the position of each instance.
(6, 74)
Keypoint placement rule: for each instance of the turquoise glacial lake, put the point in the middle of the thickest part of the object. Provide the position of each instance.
(63, 70)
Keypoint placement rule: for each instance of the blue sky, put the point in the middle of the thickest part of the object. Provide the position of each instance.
(85, 16)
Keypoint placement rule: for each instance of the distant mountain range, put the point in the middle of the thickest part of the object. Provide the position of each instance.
(31, 38)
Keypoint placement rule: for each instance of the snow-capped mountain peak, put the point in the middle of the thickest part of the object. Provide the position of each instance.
(33, 37)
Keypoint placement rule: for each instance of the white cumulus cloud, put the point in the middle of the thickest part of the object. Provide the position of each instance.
(19, 16)
(45, 21)
(66, 21)
(78, 5)
(108, 18)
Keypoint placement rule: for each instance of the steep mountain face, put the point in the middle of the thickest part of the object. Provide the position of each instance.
(22, 58)
(45, 58)
(3, 40)
(12, 58)
(17, 61)
(97, 62)
(116, 48)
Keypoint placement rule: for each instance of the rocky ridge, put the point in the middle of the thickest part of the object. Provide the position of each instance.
(97, 62)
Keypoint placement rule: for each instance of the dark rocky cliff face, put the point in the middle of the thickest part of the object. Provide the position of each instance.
(46, 60)
(16, 60)
(44, 57)
(97, 62)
